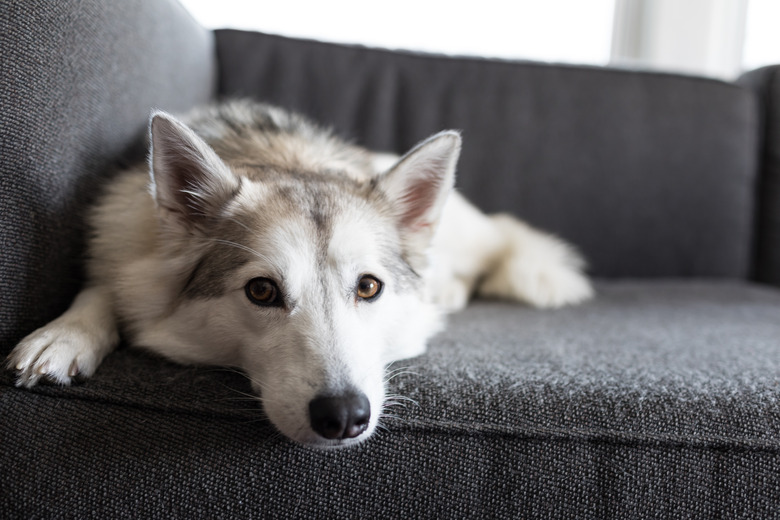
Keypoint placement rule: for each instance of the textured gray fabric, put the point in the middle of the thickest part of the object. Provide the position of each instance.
(649, 174)
(77, 82)
(656, 400)
(102, 461)
(766, 82)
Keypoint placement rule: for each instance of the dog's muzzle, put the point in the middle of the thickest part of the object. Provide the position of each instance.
(340, 417)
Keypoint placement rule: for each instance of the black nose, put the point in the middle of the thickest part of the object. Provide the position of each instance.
(340, 417)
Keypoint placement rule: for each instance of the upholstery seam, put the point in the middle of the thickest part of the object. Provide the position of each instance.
(588, 435)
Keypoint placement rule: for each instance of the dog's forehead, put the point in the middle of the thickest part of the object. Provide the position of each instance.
(300, 234)
(359, 236)
(319, 222)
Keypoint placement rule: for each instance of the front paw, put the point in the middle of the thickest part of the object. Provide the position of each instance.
(59, 352)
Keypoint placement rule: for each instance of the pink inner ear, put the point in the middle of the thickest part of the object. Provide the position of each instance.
(182, 174)
(419, 199)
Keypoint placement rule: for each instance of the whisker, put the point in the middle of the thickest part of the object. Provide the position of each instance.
(252, 411)
(256, 420)
(242, 399)
(398, 369)
(392, 398)
(242, 396)
(390, 377)
(391, 374)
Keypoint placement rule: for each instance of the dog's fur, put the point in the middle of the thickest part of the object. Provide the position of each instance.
(245, 191)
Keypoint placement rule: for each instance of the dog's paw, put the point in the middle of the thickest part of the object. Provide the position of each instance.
(59, 352)
(536, 268)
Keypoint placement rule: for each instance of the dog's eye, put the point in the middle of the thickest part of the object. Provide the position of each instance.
(368, 288)
(263, 291)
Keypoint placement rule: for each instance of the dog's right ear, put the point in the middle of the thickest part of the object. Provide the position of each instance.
(419, 184)
(189, 180)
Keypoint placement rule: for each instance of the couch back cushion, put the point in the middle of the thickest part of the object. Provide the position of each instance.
(648, 174)
(766, 83)
(77, 83)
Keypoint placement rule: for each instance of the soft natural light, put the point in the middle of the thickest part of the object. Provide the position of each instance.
(554, 30)
(762, 34)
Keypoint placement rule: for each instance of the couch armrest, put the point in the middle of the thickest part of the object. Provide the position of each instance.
(77, 83)
(649, 174)
(766, 83)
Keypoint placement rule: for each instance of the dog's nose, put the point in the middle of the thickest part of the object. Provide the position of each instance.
(340, 417)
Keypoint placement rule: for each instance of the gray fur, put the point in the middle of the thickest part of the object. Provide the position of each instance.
(259, 143)
(244, 191)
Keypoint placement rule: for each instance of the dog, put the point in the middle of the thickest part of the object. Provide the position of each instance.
(255, 239)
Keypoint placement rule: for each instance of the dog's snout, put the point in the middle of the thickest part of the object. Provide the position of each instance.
(340, 417)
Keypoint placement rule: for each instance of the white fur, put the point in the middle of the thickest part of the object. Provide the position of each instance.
(535, 267)
(324, 340)
(72, 345)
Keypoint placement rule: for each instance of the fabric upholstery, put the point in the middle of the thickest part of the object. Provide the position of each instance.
(766, 83)
(77, 83)
(657, 400)
(649, 174)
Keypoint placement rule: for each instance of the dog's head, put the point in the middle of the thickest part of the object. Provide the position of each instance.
(309, 280)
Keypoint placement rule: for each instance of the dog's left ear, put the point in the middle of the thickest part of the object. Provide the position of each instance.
(419, 184)
(189, 180)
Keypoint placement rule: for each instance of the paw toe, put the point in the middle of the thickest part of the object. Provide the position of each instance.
(56, 355)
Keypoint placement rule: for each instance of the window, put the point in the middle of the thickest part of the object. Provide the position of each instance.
(762, 34)
(719, 38)
(550, 30)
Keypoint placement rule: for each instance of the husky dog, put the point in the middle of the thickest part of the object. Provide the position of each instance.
(254, 239)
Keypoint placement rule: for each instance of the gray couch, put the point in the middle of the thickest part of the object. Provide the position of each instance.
(659, 399)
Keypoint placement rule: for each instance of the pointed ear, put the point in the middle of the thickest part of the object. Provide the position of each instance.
(420, 182)
(189, 180)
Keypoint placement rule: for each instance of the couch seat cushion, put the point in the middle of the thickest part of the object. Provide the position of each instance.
(659, 399)
(694, 362)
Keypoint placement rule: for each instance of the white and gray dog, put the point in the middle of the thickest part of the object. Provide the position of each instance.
(265, 243)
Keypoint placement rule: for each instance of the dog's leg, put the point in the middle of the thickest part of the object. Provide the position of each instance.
(466, 244)
(500, 257)
(535, 267)
(72, 345)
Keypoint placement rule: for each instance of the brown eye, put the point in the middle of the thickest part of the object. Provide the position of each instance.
(368, 288)
(263, 291)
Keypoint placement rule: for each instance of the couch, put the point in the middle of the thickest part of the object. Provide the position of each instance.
(658, 399)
